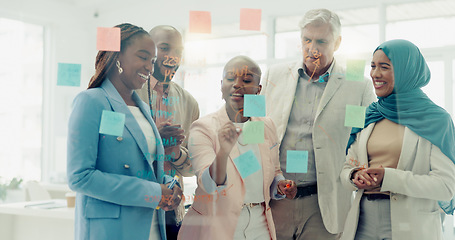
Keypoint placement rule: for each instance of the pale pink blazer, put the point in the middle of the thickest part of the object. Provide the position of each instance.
(214, 215)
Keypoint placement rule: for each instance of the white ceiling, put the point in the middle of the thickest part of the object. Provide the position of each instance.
(149, 13)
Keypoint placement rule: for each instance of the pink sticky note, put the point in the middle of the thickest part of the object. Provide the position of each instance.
(108, 39)
(250, 19)
(200, 22)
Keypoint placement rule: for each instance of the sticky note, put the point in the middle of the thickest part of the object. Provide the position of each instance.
(200, 22)
(355, 70)
(355, 116)
(254, 105)
(253, 132)
(296, 161)
(108, 39)
(69, 74)
(247, 164)
(250, 19)
(112, 123)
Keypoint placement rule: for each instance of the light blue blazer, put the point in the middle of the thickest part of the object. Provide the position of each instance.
(112, 202)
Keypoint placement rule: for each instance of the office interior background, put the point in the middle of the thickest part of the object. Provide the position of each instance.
(36, 35)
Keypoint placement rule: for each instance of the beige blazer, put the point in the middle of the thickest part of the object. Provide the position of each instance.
(423, 176)
(214, 215)
(330, 136)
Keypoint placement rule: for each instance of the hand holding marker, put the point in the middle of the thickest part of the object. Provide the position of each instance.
(171, 185)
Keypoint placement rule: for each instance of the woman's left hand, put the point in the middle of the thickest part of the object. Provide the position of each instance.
(287, 187)
(377, 174)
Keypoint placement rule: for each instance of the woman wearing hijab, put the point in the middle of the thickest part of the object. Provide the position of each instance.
(402, 162)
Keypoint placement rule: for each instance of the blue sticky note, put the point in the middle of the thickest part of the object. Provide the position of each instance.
(69, 74)
(247, 164)
(253, 105)
(253, 132)
(112, 123)
(355, 116)
(296, 161)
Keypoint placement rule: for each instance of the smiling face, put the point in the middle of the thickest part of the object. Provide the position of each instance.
(170, 47)
(318, 45)
(137, 62)
(241, 76)
(382, 74)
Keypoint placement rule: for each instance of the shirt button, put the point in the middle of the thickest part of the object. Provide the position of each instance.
(119, 139)
(126, 166)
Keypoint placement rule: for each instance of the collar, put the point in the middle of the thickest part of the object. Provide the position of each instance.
(323, 78)
(158, 86)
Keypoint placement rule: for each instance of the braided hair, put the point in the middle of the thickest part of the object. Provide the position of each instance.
(105, 60)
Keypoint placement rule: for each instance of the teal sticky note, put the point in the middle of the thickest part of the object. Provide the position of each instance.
(112, 123)
(355, 70)
(296, 161)
(253, 105)
(253, 132)
(247, 164)
(69, 74)
(355, 116)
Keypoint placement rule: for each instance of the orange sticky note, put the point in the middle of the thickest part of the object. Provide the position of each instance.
(108, 39)
(250, 19)
(200, 22)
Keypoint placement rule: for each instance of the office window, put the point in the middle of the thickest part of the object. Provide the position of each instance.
(21, 94)
(288, 45)
(453, 90)
(359, 39)
(425, 33)
(435, 89)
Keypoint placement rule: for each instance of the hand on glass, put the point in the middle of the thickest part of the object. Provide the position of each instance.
(227, 136)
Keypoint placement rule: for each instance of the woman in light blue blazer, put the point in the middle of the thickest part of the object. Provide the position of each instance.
(115, 154)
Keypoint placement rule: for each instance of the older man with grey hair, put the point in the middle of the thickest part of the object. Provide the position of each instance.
(307, 101)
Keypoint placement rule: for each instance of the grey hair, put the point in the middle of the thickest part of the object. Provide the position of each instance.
(321, 16)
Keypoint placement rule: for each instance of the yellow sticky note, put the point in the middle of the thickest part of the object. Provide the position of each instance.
(355, 116)
(355, 70)
(253, 132)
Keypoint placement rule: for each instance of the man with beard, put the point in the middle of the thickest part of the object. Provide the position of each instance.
(173, 110)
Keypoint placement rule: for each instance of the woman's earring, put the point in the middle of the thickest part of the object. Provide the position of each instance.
(120, 69)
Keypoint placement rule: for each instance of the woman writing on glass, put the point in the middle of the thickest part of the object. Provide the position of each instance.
(236, 179)
(111, 141)
(402, 162)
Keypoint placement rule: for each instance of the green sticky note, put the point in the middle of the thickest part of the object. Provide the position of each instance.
(254, 105)
(112, 123)
(296, 161)
(253, 132)
(69, 74)
(355, 116)
(247, 164)
(355, 70)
